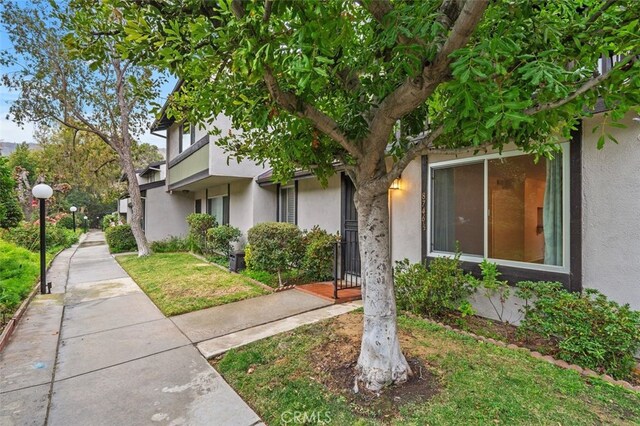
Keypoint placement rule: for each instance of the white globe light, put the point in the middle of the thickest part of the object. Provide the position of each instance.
(85, 218)
(42, 191)
(73, 209)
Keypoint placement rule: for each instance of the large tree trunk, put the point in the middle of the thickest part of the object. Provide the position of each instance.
(136, 203)
(381, 361)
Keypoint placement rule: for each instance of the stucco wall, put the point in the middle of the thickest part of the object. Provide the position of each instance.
(165, 214)
(319, 206)
(611, 212)
(241, 207)
(405, 209)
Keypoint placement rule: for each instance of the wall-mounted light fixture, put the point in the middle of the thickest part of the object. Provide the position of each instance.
(395, 184)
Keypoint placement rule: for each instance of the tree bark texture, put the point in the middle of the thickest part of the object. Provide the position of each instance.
(381, 361)
(136, 203)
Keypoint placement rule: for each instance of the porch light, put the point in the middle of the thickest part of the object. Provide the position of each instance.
(395, 184)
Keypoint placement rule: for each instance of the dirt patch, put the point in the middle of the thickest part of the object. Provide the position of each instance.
(335, 362)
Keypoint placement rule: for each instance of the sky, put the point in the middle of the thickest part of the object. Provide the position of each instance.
(11, 132)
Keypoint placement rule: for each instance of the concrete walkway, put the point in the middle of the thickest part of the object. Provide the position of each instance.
(99, 352)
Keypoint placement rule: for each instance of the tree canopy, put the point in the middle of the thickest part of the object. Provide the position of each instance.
(312, 81)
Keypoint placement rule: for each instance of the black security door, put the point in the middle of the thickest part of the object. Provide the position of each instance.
(350, 253)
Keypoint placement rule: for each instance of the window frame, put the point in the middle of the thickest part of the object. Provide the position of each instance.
(281, 212)
(224, 199)
(192, 137)
(566, 216)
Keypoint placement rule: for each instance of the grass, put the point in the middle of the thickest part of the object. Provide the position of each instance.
(179, 282)
(479, 384)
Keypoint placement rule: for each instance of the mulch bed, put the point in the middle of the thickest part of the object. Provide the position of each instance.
(335, 363)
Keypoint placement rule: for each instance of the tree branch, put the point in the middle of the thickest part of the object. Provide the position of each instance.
(267, 10)
(297, 106)
(599, 12)
(586, 86)
(414, 91)
(379, 9)
(419, 148)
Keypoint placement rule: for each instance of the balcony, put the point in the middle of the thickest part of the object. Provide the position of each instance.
(190, 165)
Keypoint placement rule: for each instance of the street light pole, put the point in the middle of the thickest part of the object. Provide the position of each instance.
(42, 192)
(73, 211)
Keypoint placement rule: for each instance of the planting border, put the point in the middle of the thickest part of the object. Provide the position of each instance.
(557, 362)
(13, 322)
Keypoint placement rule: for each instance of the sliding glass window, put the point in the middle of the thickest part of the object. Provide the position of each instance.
(507, 208)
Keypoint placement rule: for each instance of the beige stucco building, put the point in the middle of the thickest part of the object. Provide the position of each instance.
(571, 220)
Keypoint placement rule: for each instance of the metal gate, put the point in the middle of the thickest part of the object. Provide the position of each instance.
(347, 252)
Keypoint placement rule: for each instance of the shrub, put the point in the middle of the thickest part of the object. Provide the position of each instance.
(221, 238)
(109, 220)
(318, 257)
(27, 235)
(19, 269)
(10, 211)
(435, 291)
(589, 329)
(199, 224)
(170, 245)
(120, 239)
(275, 247)
(66, 221)
(490, 287)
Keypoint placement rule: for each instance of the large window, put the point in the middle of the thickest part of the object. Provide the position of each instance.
(218, 209)
(288, 204)
(507, 208)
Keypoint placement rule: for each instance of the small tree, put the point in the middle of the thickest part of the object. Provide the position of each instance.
(318, 81)
(275, 247)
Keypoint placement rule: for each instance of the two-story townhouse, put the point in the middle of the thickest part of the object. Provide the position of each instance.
(571, 219)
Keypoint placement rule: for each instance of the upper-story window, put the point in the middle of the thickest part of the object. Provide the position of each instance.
(507, 208)
(187, 136)
(288, 204)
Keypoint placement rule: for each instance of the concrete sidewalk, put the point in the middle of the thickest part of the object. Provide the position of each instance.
(99, 352)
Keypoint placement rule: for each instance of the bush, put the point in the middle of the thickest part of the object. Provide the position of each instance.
(221, 237)
(66, 221)
(490, 286)
(435, 291)
(109, 220)
(199, 224)
(275, 247)
(589, 329)
(170, 245)
(19, 270)
(10, 211)
(318, 256)
(120, 239)
(27, 235)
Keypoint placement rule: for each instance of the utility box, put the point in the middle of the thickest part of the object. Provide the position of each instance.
(236, 261)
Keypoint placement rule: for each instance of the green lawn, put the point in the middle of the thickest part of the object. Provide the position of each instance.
(179, 282)
(477, 383)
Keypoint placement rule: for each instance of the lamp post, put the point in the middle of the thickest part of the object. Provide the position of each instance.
(74, 209)
(42, 192)
(86, 224)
